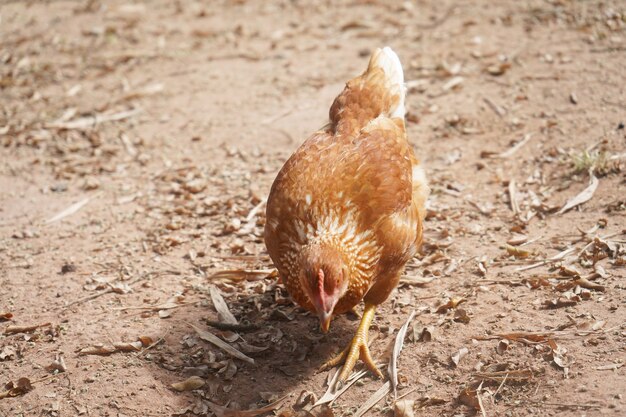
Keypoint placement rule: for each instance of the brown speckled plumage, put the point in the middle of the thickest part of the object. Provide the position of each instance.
(354, 187)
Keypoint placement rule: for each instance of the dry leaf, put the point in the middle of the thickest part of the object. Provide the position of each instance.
(416, 280)
(70, 210)
(498, 68)
(7, 353)
(558, 353)
(565, 286)
(454, 82)
(403, 408)
(591, 325)
(502, 347)
(469, 397)
(331, 393)
(92, 121)
(457, 356)
(220, 305)
(525, 337)
(145, 340)
(229, 370)
(460, 316)
(517, 240)
(429, 401)
(610, 367)
(24, 329)
(6, 316)
(237, 275)
(438, 256)
(325, 411)
(356, 24)
(281, 315)
(248, 348)
(568, 271)
(21, 387)
(97, 350)
(120, 288)
(534, 283)
(512, 375)
(101, 349)
(268, 396)
(517, 252)
(516, 148)
(128, 346)
(585, 283)
(598, 270)
(554, 258)
(142, 341)
(584, 196)
(397, 348)
(374, 399)
(426, 335)
(305, 400)
(211, 338)
(189, 384)
(57, 365)
(482, 270)
(451, 303)
(164, 314)
(221, 411)
(229, 336)
(513, 197)
(451, 267)
(568, 300)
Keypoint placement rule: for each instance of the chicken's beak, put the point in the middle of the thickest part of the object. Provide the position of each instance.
(325, 321)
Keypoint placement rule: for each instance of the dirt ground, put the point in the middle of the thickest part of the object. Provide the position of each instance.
(139, 139)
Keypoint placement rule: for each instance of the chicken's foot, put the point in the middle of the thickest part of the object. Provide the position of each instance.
(357, 349)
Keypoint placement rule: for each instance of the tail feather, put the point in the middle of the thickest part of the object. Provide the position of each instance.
(378, 91)
(388, 61)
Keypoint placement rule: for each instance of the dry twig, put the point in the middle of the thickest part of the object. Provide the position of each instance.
(331, 394)
(93, 121)
(397, 348)
(374, 399)
(516, 147)
(71, 209)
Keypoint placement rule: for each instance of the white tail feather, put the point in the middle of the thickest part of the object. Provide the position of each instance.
(388, 60)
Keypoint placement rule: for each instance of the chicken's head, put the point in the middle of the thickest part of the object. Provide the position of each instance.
(324, 278)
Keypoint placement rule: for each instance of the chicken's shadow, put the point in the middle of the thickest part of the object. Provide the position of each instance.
(285, 343)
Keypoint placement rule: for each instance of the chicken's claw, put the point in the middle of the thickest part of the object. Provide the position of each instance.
(357, 349)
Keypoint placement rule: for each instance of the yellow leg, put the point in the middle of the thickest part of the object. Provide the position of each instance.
(357, 349)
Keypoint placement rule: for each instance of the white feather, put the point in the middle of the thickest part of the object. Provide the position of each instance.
(388, 60)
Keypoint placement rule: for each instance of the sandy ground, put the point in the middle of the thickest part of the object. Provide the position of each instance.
(138, 141)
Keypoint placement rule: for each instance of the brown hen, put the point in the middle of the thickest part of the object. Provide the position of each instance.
(345, 212)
